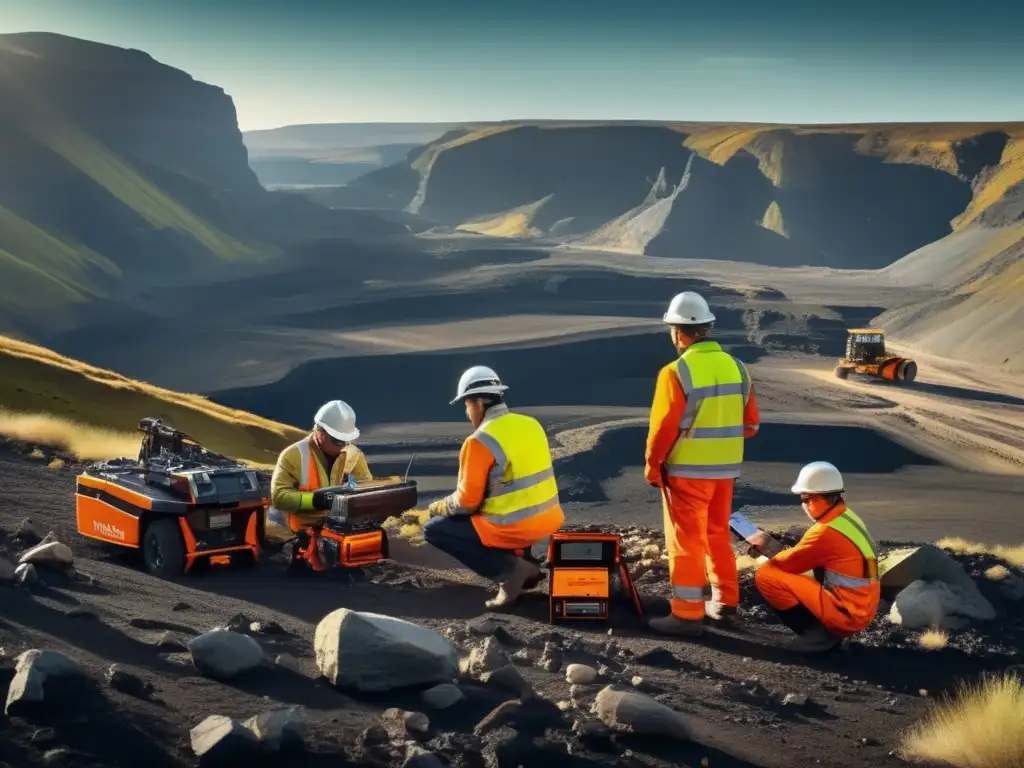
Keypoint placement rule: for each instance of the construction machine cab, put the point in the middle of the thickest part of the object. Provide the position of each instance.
(866, 355)
(865, 345)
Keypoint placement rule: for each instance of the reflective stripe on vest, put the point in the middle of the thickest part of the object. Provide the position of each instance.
(310, 480)
(717, 387)
(853, 528)
(521, 483)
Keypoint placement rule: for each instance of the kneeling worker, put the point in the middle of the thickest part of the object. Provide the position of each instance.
(324, 458)
(843, 597)
(507, 496)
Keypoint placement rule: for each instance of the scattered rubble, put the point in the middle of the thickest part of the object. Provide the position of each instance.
(371, 652)
(401, 724)
(222, 654)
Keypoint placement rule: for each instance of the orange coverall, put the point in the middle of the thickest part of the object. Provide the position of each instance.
(844, 611)
(696, 517)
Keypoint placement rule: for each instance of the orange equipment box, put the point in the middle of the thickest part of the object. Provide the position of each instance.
(583, 566)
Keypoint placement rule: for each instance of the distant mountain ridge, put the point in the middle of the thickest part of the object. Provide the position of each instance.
(117, 171)
(850, 196)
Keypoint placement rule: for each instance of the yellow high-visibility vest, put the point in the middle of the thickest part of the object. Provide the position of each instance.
(521, 484)
(717, 387)
(852, 527)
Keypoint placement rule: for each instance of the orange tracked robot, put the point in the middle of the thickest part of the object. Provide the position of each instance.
(180, 503)
(866, 355)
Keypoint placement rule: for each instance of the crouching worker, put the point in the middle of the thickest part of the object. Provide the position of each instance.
(506, 499)
(842, 597)
(325, 458)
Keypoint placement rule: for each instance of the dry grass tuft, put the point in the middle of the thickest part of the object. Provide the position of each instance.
(36, 454)
(57, 463)
(1012, 555)
(997, 573)
(82, 441)
(933, 639)
(982, 727)
(747, 563)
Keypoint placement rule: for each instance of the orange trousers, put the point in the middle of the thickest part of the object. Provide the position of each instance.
(696, 516)
(844, 612)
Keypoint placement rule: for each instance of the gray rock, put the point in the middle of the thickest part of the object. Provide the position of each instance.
(580, 674)
(223, 654)
(499, 716)
(795, 700)
(121, 680)
(279, 729)
(32, 670)
(551, 658)
(631, 712)
(523, 658)
(220, 740)
(486, 657)
(443, 696)
(25, 575)
(939, 604)
(52, 553)
(482, 626)
(902, 567)
(509, 678)
(401, 724)
(374, 735)
(371, 652)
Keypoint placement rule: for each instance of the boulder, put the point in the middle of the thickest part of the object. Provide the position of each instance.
(279, 729)
(222, 654)
(220, 740)
(630, 712)
(937, 604)
(52, 553)
(902, 567)
(580, 674)
(32, 670)
(509, 678)
(371, 652)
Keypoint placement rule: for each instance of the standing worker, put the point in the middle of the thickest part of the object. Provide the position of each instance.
(843, 597)
(324, 458)
(507, 497)
(704, 408)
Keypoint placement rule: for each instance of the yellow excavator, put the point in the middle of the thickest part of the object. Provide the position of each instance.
(866, 355)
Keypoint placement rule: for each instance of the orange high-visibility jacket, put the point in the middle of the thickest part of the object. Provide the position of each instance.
(667, 414)
(848, 575)
(482, 477)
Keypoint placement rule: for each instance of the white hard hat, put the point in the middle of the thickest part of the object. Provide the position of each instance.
(479, 380)
(819, 477)
(688, 308)
(338, 420)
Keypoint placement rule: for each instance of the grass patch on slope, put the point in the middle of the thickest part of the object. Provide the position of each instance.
(1014, 555)
(1009, 173)
(426, 159)
(106, 168)
(981, 727)
(37, 268)
(56, 400)
(515, 222)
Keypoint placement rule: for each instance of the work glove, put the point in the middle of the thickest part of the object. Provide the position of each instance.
(438, 508)
(653, 474)
(323, 498)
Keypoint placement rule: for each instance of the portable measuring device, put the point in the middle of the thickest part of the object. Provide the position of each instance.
(582, 568)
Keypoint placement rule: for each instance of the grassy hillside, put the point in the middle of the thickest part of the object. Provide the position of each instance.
(54, 400)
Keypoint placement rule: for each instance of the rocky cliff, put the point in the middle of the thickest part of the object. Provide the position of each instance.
(117, 171)
(842, 196)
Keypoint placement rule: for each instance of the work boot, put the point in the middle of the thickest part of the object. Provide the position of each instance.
(673, 625)
(722, 616)
(512, 585)
(815, 640)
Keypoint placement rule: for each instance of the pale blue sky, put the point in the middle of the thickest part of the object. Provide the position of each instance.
(289, 61)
